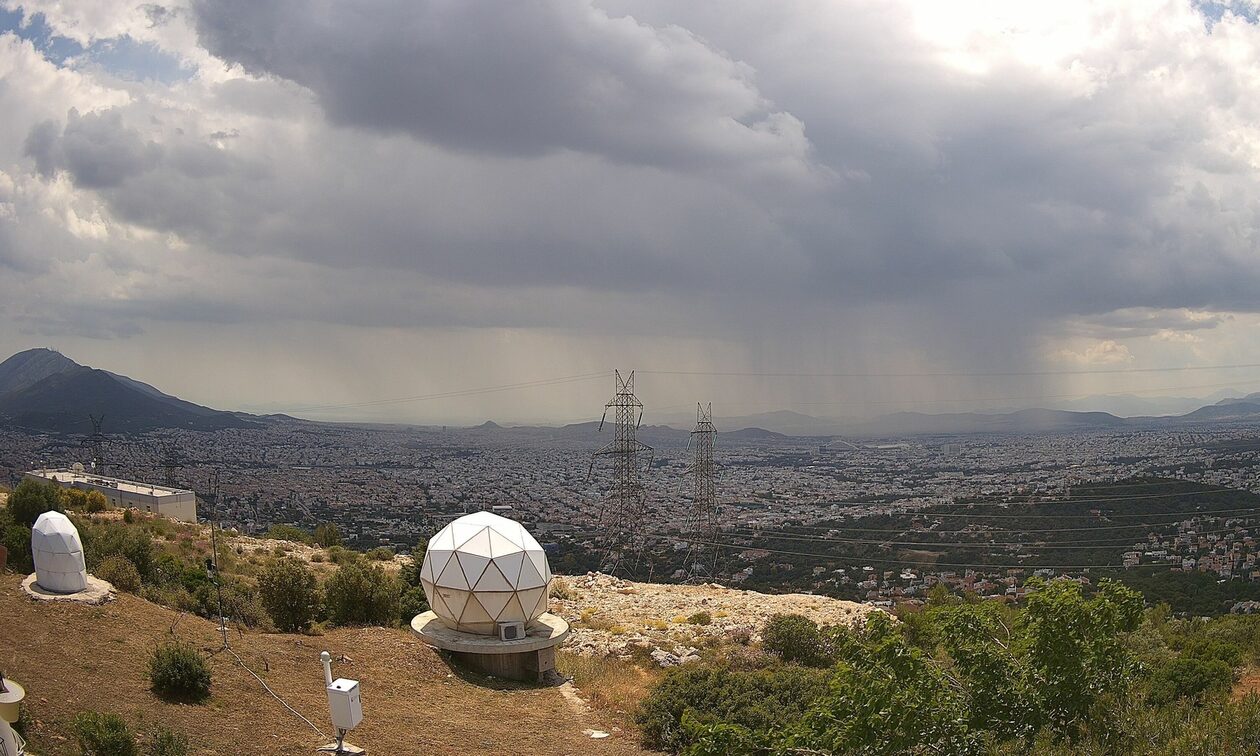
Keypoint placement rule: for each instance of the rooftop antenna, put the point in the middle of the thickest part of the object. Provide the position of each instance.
(702, 520)
(621, 516)
(98, 444)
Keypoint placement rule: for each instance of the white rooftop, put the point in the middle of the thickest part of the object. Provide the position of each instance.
(65, 475)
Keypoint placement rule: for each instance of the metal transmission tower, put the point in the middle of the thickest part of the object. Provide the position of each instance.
(621, 517)
(98, 445)
(170, 463)
(702, 521)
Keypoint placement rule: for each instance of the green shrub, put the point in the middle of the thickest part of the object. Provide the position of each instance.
(103, 735)
(240, 601)
(96, 502)
(341, 556)
(327, 535)
(118, 570)
(701, 618)
(289, 593)
(381, 554)
(102, 540)
(412, 602)
(32, 498)
(362, 594)
(129, 516)
(284, 532)
(759, 699)
(164, 741)
(1190, 678)
(795, 638)
(177, 670)
(16, 537)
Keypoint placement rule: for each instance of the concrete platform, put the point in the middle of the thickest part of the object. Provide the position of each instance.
(528, 659)
(97, 592)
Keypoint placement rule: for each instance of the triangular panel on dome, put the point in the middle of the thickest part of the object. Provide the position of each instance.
(437, 558)
(510, 566)
(543, 602)
(513, 612)
(466, 531)
(529, 601)
(443, 540)
(529, 542)
(437, 603)
(494, 601)
(473, 566)
(478, 544)
(512, 530)
(530, 576)
(474, 613)
(539, 559)
(455, 601)
(501, 545)
(453, 576)
(493, 580)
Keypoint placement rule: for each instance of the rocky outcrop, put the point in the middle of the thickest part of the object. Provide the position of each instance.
(670, 623)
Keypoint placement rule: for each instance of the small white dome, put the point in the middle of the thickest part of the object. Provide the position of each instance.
(483, 569)
(58, 554)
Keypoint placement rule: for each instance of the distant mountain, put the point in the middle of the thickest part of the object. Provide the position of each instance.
(30, 367)
(1023, 421)
(45, 391)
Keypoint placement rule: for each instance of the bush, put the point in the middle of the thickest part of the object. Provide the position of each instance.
(118, 570)
(167, 742)
(240, 601)
(32, 498)
(701, 618)
(103, 735)
(102, 540)
(412, 602)
(96, 502)
(1190, 678)
(284, 532)
(289, 593)
(129, 516)
(178, 670)
(795, 638)
(16, 537)
(362, 594)
(761, 699)
(327, 535)
(381, 554)
(341, 556)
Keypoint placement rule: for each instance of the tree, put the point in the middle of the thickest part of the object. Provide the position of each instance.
(16, 537)
(32, 498)
(359, 593)
(289, 593)
(795, 638)
(412, 602)
(327, 535)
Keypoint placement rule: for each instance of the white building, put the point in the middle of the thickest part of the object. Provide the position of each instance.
(174, 503)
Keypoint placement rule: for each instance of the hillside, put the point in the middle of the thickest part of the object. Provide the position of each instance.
(43, 390)
(72, 658)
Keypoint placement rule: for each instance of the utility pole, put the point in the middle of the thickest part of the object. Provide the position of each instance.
(702, 520)
(622, 513)
(98, 444)
(214, 550)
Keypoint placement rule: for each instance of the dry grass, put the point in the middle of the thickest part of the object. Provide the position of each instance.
(73, 658)
(614, 687)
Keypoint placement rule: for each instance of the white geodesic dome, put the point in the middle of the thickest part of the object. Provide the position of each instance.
(483, 569)
(58, 554)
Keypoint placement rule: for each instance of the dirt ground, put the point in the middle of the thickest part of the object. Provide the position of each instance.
(72, 658)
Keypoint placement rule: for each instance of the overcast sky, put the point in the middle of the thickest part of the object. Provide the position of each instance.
(278, 204)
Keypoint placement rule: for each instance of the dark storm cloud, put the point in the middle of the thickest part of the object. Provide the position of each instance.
(517, 78)
(96, 148)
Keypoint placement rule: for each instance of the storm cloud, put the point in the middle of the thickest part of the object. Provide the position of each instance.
(800, 183)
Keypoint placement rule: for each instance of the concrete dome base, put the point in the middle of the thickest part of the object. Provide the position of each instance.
(529, 659)
(97, 592)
